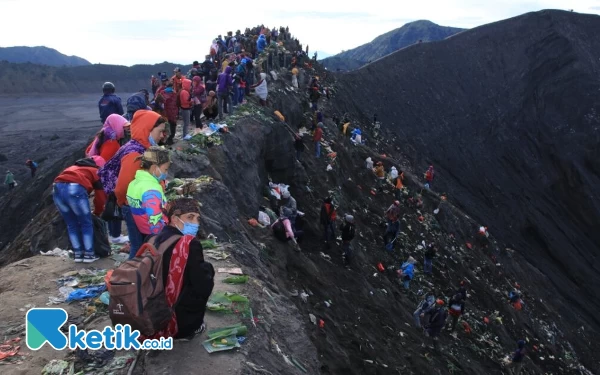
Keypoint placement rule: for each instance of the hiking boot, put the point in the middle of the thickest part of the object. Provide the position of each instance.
(90, 258)
(118, 240)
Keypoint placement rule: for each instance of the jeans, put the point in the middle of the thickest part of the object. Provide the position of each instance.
(427, 265)
(241, 93)
(136, 238)
(347, 251)
(318, 149)
(406, 283)
(114, 228)
(224, 100)
(299, 155)
(185, 113)
(417, 317)
(74, 207)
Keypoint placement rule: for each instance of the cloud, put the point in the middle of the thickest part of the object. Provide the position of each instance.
(150, 31)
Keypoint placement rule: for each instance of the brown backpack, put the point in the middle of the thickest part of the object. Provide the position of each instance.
(137, 295)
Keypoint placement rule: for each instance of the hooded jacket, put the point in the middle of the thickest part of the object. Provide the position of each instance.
(85, 173)
(185, 95)
(114, 131)
(135, 102)
(141, 126)
(170, 99)
(109, 104)
(198, 90)
(224, 81)
(261, 43)
(147, 200)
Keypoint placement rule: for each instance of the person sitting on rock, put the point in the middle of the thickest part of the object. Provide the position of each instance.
(145, 194)
(210, 110)
(456, 309)
(408, 269)
(71, 197)
(9, 181)
(185, 268)
(348, 230)
(289, 202)
(436, 321)
(392, 215)
(328, 217)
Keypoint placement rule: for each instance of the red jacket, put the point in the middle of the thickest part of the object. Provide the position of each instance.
(88, 178)
(318, 135)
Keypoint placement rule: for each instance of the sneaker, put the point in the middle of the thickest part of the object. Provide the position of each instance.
(196, 332)
(90, 258)
(118, 240)
(187, 137)
(79, 259)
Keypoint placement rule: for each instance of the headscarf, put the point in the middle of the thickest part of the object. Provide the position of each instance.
(112, 129)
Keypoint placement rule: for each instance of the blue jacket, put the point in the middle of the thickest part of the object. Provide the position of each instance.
(108, 105)
(408, 269)
(261, 43)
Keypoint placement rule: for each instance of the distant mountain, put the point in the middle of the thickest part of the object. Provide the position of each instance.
(383, 45)
(40, 55)
(78, 79)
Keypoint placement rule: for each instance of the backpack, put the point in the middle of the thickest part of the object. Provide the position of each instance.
(101, 245)
(137, 295)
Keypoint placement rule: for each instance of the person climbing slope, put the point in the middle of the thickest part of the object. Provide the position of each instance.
(369, 163)
(147, 129)
(516, 360)
(430, 253)
(70, 193)
(429, 175)
(106, 144)
(408, 271)
(299, 147)
(109, 103)
(423, 308)
(348, 230)
(328, 217)
(33, 166)
(456, 309)
(398, 185)
(393, 173)
(380, 173)
(317, 136)
(188, 279)
(145, 194)
(392, 215)
(436, 321)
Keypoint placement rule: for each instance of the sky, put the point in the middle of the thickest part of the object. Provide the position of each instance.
(131, 32)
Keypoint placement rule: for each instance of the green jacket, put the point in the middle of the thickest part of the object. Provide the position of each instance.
(10, 179)
(146, 198)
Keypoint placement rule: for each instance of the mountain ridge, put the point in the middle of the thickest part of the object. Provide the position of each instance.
(41, 55)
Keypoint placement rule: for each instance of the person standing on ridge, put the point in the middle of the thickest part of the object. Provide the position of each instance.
(177, 80)
(328, 217)
(317, 139)
(155, 84)
(224, 87)
(9, 180)
(109, 103)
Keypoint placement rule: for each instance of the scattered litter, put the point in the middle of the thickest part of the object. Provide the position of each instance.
(57, 367)
(313, 319)
(236, 279)
(91, 292)
(219, 344)
(9, 348)
(237, 329)
(27, 307)
(258, 368)
(321, 323)
(299, 365)
(232, 271)
(56, 252)
(228, 303)
(325, 256)
(270, 296)
(216, 255)
(304, 296)
(105, 298)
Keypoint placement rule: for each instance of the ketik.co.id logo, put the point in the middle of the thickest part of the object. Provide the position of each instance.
(43, 326)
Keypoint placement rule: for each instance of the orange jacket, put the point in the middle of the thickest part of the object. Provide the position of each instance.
(185, 97)
(141, 125)
(399, 184)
